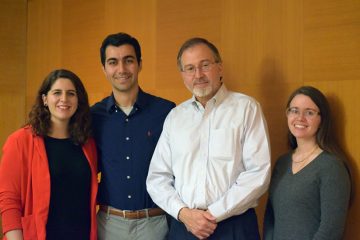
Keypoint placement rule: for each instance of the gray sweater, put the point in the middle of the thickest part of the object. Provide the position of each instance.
(311, 204)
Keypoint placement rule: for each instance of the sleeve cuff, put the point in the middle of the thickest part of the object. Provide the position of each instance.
(176, 210)
(11, 220)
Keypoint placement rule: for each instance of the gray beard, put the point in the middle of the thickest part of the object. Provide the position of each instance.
(201, 92)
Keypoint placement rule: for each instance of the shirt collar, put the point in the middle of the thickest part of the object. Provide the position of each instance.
(216, 99)
(141, 101)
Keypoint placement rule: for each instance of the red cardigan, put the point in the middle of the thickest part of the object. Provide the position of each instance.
(25, 184)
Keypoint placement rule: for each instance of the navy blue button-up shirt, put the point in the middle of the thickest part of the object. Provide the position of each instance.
(125, 146)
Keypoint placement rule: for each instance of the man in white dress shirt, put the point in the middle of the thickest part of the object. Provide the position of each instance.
(212, 161)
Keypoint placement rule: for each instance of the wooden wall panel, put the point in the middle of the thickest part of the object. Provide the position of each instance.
(331, 40)
(65, 34)
(137, 18)
(12, 67)
(261, 45)
(343, 98)
(332, 63)
(82, 32)
(178, 21)
(44, 36)
(262, 51)
(269, 48)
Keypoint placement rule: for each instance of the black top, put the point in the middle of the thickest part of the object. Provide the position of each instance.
(69, 210)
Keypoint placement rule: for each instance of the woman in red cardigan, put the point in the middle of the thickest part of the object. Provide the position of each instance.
(48, 172)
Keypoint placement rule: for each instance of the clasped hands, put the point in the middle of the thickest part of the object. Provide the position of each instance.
(199, 222)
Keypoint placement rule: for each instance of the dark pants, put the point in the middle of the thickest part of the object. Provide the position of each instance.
(241, 227)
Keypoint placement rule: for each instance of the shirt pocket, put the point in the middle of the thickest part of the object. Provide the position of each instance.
(221, 143)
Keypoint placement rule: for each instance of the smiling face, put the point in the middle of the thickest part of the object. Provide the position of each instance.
(203, 84)
(302, 125)
(121, 68)
(61, 100)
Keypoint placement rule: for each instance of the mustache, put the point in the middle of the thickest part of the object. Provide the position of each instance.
(201, 80)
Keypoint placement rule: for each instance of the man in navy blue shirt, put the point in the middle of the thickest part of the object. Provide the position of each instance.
(127, 125)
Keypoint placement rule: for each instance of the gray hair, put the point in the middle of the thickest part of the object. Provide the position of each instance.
(196, 41)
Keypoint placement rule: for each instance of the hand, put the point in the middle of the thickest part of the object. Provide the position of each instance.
(14, 234)
(199, 222)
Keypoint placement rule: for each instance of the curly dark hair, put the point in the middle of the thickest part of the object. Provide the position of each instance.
(80, 122)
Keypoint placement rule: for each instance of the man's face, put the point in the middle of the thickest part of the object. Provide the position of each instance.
(121, 68)
(201, 74)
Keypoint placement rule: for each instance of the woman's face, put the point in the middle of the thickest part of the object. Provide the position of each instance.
(62, 100)
(303, 117)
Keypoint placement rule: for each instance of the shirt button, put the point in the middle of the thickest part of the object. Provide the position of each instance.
(127, 138)
(127, 157)
(126, 120)
(129, 196)
(128, 177)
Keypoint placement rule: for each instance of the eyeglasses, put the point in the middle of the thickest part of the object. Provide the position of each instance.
(307, 113)
(204, 67)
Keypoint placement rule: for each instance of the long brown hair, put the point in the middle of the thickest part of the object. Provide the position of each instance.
(325, 136)
(80, 122)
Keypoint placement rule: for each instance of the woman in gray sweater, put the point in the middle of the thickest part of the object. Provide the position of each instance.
(310, 186)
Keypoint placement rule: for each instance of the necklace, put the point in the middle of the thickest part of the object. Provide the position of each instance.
(307, 156)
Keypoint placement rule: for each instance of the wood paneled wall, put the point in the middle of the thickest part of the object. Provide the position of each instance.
(331, 50)
(269, 48)
(12, 67)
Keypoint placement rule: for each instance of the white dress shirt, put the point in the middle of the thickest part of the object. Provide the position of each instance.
(215, 158)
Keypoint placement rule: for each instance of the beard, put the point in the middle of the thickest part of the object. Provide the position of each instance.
(202, 92)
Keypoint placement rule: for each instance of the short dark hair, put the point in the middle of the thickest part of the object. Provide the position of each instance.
(196, 41)
(117, 40)
(40, 116)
